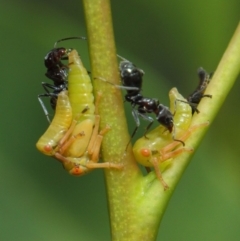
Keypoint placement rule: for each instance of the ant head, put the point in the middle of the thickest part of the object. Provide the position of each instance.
(129, 69)
(129, 66)
(62, 52)
(126, 66)
(54, 57)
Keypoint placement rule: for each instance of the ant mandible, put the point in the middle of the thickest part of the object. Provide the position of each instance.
(57, 72)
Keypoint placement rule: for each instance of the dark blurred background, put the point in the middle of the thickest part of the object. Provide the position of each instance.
(169, 41)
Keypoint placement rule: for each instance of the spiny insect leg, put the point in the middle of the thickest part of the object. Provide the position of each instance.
(108, 165)
(65, 142)
(167, 152)
(94, 148)
(155, 164)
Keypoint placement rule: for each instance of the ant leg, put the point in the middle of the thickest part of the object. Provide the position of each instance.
(137, 121)
(43, 105)
(147, 128)
(147, 118)
(209, 96)
(46, 86)
(194, 108)
(193, 105)
(167, 152)
(135, 114)
(173, 137)
(133, 134)
(48, 94)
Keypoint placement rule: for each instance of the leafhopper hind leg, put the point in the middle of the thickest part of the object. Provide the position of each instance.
(94, 149)
(168, 151)
(78, 165)
(67, 140)
(155, 164)
(96, 141)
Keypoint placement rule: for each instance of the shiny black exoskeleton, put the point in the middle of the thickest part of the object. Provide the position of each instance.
(57, 72)
(131, 78)
(195, 98)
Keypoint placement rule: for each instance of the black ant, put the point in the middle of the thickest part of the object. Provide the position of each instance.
(132, 78)
(57, 72)
(194, 99)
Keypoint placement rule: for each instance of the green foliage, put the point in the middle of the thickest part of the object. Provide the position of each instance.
(169, 41)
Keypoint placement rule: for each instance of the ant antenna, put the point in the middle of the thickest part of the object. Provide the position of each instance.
(117, 86)
(69, 38)
(120, 57)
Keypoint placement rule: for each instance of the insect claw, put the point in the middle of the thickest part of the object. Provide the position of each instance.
(179, 141)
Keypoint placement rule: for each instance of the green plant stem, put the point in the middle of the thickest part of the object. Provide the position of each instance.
(137, 203)
(120, 184)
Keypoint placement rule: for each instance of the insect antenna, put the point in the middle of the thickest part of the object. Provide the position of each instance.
(122, 58)
(69, 38)
(117, 86)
